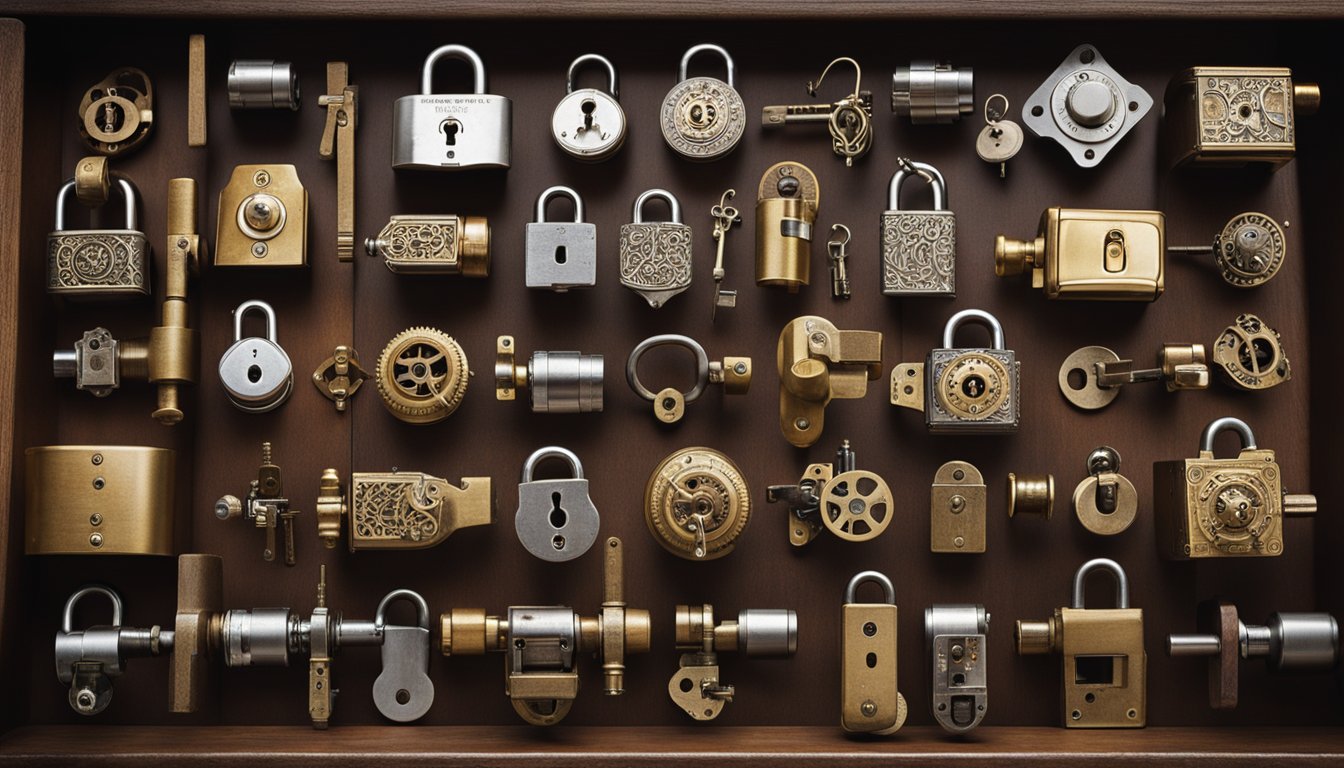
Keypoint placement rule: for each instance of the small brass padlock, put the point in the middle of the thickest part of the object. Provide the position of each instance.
(919, 248)
(786, 210)
(99, 263)
(589, 124)
(256, 371)
(656, 256)
(1091, 254)
(452, 131)
(703, 118)
(117, 114)
(1221, 116)
(263, 218)
(869, 699)
(972, 390)
(561, 254)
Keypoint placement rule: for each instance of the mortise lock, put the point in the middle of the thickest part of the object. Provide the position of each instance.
(1091, 377)
(399, 509)
(758, 632)
(265, 506)
(818, 362)
(853, 504)
(869, 699)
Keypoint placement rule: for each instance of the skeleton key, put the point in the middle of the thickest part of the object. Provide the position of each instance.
(725, 216)
(1001, 138)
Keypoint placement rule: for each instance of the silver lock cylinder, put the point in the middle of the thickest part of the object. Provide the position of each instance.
(95, 363)
(403, 691)
(99, 263)
(589, 124)
(450, 132)
(919, 248)
(556, 519)
(1103, 564)
(561, 255)
(1085, 106)
(565, 382)
(89, 658)
(955, 637)
(656, 256)
(932, 92)
(544, 638)
(260, 637)
(767, 633)
(256, 372)
(263, 84)
(703, 118)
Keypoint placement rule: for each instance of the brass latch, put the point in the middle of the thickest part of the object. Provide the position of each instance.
(400, 510)
(818, 362)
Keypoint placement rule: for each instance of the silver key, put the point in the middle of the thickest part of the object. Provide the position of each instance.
(1001, 138)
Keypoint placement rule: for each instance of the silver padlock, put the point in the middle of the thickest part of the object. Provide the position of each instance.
(919, 248)
(256, 372)
(561, 255)
(589, 124)
(452, 131)
(88, 659)
(703, 118)
(556, 519)
(656, 256)
(403, 691)
(98, 263)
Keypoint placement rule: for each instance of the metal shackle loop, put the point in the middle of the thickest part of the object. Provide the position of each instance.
(68, 617)
(931, 176)
(460, 52)
(978, 316)
(248, 306)
(593, 58)
(410, 596)
(701, 48)
(552, 452)
(128, 199)
(1227, 422)
(559, 190)
(876, 577)
(674, 205)
(1107, 564)
(662, 340)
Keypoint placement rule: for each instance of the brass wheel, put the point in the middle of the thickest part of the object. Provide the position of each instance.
(422, 375)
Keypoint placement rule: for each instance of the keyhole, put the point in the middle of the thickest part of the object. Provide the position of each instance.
(588, 106)
(449, 129)
(254, 373)
(560, 255)
(558, 516)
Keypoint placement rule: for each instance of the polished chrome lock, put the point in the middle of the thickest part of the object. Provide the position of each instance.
(1248, 251)
(99, 263)
(403, 691)
(451, 132)
(1085, 106)
(669, 404)
(656, 256)
(956, 637)
(99, 500)
(436, 244)
(957, 509)
(973, 390)
(696, 688)
(1250, 355)
(88, 659)
(919, 248)
(560, 382)
(255, 371)
(869, 699)
(703, 118)
(400, 509)
(117, 114)
(264, 506)
(556, 519)
(853, 504)
(1105, 501)
(932, 92)
(1211, 507)
(818, 362)
(1091, 254)
(1091, 377)
(263, 218)
(589, 124)
(561, 255)
(263, 84)
(1234, 116)
(786, 211)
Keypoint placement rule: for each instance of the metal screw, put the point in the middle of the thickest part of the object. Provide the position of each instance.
(98, 483)
(261, 178)
(959, 542)
(97, 459)
(95, 519)
(95, 539)
(740, 368)
(85, 700)
(818, 338)
(259, 250)
(802, 424)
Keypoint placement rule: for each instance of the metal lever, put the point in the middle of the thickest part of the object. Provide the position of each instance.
(338, 137)
(1180, 366)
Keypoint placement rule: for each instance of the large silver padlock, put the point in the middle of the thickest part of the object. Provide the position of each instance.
(98, 263)
(703, 118)
(556, 519)
(452, 131)
(403, 691)
(256, 372)
(656, 256)
(561, 255)
(589, 124)
(88, 659)
(919, 248)
(969, 390)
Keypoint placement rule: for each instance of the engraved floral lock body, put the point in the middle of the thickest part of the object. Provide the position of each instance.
(919, 248)
(1221, 116)
(703, 118)
(98, 263)
(436, 244)
(656, 256)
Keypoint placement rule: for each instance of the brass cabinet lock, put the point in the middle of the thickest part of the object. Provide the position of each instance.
(669, 404)
(99, 263)
(422, 375)
(932, 92)
(89, 659)
(1086, 106)
(1091, 377)
(853, 504)
(656, 256)
(919, 248)
(442, 244)
(452, 131)
(560, 382)
(1105, 674)
(956, 638)
(338, 141)
(869, 699)
(265, 506)
(1211, 507)
(1220, 116)
(561, 255)
(340, 376)
(255, 371)
(556, 519)
(1091, 254)
(957, 509)
(399, 509)
(1248, 251)
(818, 362)
(1250, 355)
(99, 500)
(1288, 642)
(263, 218)
(703, 118)
(973, 390)
(117, 114)
(697, 504)
(786, 211)
(849, 120)
(1105, 501)
(542, 644)
(696, 688)
(589, 124)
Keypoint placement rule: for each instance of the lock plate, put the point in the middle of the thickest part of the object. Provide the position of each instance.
(263, 218)
(103, 500)
(1105, 668)
(656, 259)
(919, 252)
(957, 509)
(561, 255)
(869, 700)
(412, 510)
(403, 691)
(556, 519)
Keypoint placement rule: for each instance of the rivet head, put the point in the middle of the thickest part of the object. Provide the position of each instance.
(95, 519)
(95, 539)
(868, 708)
(97, 459)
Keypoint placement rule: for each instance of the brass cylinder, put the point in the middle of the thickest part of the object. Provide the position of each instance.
(1031, 494)
(133, 360)
(463, 632)
(1306, 98)
(690, 632)
(1035, 637)
(1299, 504)
(783, 260)
(1013, 257)
(473, 247)
(638, 628)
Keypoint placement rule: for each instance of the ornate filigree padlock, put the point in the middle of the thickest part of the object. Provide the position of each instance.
(967, 390)
(656, 256)
(98, 263)
(919, 248)
(703, 118)
(1220, 116)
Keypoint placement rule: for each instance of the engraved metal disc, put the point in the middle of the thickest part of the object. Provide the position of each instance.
(1250, 355)
(703, 118)
(856, 505)
(973, 385)
(1090, 396)
(1250, 249)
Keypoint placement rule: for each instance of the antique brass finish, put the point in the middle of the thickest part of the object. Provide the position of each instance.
(1031, 495)
(263, 218)
(399, 509)
(761, 632)
(436, 244)
(340, 376)
(786, 210)
(1235, 115)
(818, 362)
(1248, 251)
(869, 699)
(955, 637)
(669, 405)
(93, 181)
(196, 121)
(422, 375)
(1090, 254)
(957, 509)
(200, 604)
(99, 499)
(265, 506)
(837, 251)
(1103, 373)
(849, 120)
(1250, 355)
(972, 390)
(853, 504)
(103, 263)
(1105, 501)
(117, 113)
(560, 382)
(725, 216)
(697, 504)
(338, 140)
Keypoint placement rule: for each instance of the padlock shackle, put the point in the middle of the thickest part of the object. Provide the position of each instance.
(931, 176)
(558, 190)
(68, 616)
(979, 317)
(876, 577)
(410, 596)
(551, 452)
(1227, 422)
(664, 340)
(593, 58)
(460, 52)
(1106, 564)
(729, 65)
(259, 306)
(674, 205)
(128, 198)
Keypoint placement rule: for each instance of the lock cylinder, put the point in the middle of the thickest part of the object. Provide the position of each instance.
(560, 382)
(444, 244)
(786, 211)
(696, 687)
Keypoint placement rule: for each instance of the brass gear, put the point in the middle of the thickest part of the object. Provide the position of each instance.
(422, 375)
(697, 503)
(856, 505)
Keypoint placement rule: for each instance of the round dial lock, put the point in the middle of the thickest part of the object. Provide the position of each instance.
(1235, 510)
(703, 118)
(973, 385)
(1087, 104)
(1250, 249)
(856, 505)
(697, 503)
(422, 375)
(1250, 355)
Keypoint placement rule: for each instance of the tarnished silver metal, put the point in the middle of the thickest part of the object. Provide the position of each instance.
(1085, 106)
(837, 250)
(1248, 250)
(1242, 429)
(932, 92)
(955, 637)
(556, 519)
(263, 84)
(1001, 139)
(589, 124)
(256, 371)
(734, 373)
(560, 382)
(452, 131)
(919, 248)
(99, 263)
(1104, 564)
(656, 256)
(561, 255)
(89, 658)
(403, 691)
(703, 118)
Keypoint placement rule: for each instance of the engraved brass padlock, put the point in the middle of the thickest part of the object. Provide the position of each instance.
(422, 375)
(697, 504)
(956, 639)
(561, 254)
(116, 115)
(255, 371)
(869, 699)
(263, 218)
(452, 131)
(99, 500)
(400, 509)
(99, 263)
(656, 256)
(589, 124)
(853, 504)
(1105, 674)
(1211, 507)
(696, 688)
(957, 509)
(919, 248)
(786, 210)
(1105, 501)
(1091, 254)
(439, 244)
(89, 659)
(972, 390)
(818, 362)
(1221, 116)
(703, 118)
(556, 519)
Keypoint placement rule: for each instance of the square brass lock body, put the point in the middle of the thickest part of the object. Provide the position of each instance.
(106, 263)
(1091, 254)
(263, 218)
(99, 500)
(1235, 116)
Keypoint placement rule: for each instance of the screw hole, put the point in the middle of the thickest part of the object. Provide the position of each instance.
(686, 685)
(1133, 106)
(1089, 154)
(1087, 56)
(403, 697)
(870, 629)
(871, 660)
(1089, 698)
(1037, 111)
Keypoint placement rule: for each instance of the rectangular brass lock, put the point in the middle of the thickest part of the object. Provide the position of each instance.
(869, 700)
(99, 499)
(263, 218)
(957, 509)
(1234, 115)
(1091, 254)
(445, 244)
(400, 510)
(786, 211)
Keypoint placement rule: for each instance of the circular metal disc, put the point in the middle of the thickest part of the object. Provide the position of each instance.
(1089, 397)
(1106, 523)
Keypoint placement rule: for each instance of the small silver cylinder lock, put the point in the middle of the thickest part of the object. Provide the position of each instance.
(932, 92)
(589, 124)
(561, 382)
(656, 256)
(919, 248)
(98, 263)
(452, 131)
(89, 658)
(263, 84)
(255, 371)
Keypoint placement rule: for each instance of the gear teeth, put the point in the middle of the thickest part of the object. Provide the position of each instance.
(431, 408)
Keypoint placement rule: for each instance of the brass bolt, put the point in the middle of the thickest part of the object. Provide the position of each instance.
(96, 540)
(868, 708)
(95, 519)
(97, 459)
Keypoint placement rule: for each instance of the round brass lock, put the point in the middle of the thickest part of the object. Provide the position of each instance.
(422, 375)
(1250, 249)
(1105, 509)
(697, 503)
(973, 386)
(261, 216)
(856, 505)
(1235, 510)
(1250, 355)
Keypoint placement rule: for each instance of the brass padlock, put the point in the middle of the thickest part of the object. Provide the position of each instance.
(99, 263)
(1091, 254)
(1105, 501)
(974, 390)
(656, 256)
(786, 210)
(422, 375)
(818, 362)
(263, 218)
(696, 688)
(853, 504)
(958, 648)
(99, 500)
(919, 248)
(957, 509)
(452, 131)
(703, 118)
(869, 699)
(697, 504)
(440, 244)
(1211, 507)
(1220, 116)
(400, 509)
(1105, 674)
(116, 115)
